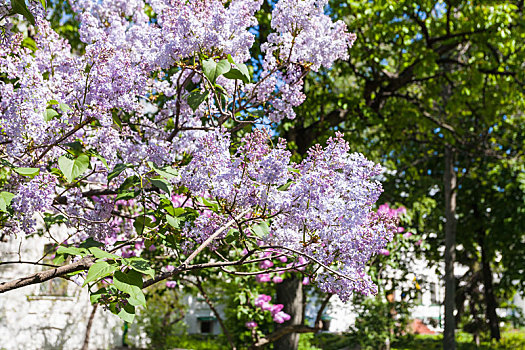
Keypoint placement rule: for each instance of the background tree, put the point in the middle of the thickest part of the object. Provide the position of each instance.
(424, 91)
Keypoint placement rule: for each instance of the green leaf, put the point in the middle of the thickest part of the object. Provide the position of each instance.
(71, 251)
(98, 270)
(162, 184)
(166, 172)
(71, 168)
(32, 172)
(130, 283)
(63, 107)
(241, 72)
(129, 183)
(116, 171)
(19, 6)
(99, 157)
(49, 114)
(95, 297)
(195, 99)
(212, 70)
(127, 313)
(29, 43)
(212, 205)
(125, 195)
(261, 229)
(285, 186)
(140, 224)
(5, 200)
(237, 74)
(242, 298)
(101, 254)
(75, 148)
(140, 265)
(173, 221)
(89, 243)
(59, 259)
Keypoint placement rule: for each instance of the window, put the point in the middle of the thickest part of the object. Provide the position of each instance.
(434, 293)
(206, 327)
(206, 324)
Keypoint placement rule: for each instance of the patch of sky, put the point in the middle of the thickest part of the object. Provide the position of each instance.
(440, 9)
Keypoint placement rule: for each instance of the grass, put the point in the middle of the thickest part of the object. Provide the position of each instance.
(511, 340)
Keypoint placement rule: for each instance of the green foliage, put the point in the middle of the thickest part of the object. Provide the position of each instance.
(379, 322)
(162, 322)
(20, 7)
(73, 167)
(305, 342)
(511, 340)
(212, 70)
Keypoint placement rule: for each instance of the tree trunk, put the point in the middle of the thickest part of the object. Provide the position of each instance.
(85, 346)
(490, 299)
(290, 294)
(449, 341)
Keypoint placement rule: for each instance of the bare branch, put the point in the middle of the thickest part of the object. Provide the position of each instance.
(39, 277)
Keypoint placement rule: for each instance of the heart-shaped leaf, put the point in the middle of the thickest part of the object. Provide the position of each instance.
(73, 167)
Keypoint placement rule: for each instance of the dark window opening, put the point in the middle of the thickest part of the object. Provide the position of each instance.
(206, 327)
(433, 294)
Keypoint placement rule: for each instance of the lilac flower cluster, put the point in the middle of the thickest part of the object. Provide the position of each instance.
(33, 197)
(262, 301)
(125, 100)
(189, 27)
(326, 212)
(304, 39)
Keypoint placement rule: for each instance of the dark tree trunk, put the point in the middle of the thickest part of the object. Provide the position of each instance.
(490, 299)
(85, 345)
(290, 294)
(449, 341)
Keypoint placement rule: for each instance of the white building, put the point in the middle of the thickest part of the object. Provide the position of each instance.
(50, 315)
(54, 314)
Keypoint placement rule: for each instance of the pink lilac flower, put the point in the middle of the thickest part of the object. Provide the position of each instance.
(281, 317)
(265, 264)
(264, 277)
(262, 301)
(384, 252)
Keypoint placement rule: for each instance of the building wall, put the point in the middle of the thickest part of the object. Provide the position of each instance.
(31, 319)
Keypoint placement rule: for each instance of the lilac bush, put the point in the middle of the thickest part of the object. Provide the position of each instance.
(134, 143)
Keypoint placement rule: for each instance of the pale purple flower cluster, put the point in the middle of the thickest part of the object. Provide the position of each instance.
(306, 35)
(189, 27)
(326, 212)
(305, 38)
(34, 196)
(140, 52)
